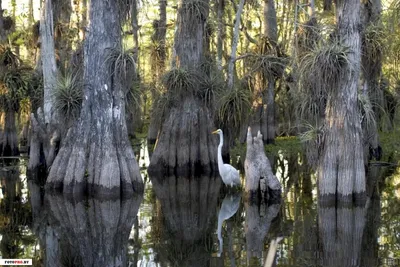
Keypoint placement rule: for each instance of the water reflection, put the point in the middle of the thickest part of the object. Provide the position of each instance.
(185, 219)
(258, 222)
(83, 232)
(341, 230)
(229, 207)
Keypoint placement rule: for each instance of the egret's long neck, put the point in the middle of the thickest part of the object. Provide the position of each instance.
(221, 143)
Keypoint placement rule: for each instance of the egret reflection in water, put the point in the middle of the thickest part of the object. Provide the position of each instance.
(229, 207)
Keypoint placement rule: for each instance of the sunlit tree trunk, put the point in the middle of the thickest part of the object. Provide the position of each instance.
(44, 122)
(341, 171)
(96, 155)
(185, 143)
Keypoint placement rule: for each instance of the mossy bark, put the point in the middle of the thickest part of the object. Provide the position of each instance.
(96, 155)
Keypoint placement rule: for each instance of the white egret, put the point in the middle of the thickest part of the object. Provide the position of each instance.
(229, 175)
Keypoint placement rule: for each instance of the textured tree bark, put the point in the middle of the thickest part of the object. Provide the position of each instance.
(260, 180)
(341, 173)
(185, 142)
(96, 155)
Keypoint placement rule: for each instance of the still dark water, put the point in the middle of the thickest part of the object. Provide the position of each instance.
(195, 222)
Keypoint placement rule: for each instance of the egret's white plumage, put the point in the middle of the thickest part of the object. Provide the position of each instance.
(230, 176)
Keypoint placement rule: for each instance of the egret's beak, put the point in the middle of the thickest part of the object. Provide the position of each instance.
(216, 131)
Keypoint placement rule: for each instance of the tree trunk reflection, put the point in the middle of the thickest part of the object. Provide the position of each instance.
(188, 208)
(341, 231)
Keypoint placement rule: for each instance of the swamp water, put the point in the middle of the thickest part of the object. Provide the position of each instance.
(197, 222)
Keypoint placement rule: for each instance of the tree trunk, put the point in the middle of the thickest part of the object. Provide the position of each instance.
(185, 142)
(268, 126)
(43, 128)
(371, 62)
(158, 68)
(220, 31)
(10, 140)
(62, 15)
(96, 155)
(260, 180)
(327, 5)
(341, 168)
(3, 35)
(235, 41)
(84, 19)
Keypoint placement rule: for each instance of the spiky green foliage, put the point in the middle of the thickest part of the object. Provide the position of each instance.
(68, 96)
(8, 58)
(122, 65)
(180, 82)
(320, 69)
(367, 112)
(312, 139)
(209, 86)
(157, 54)
(374, 40)
(268, 60)
(134, 97)
(14, 87)
(234, 105)
(35, 90)
(308, 36)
